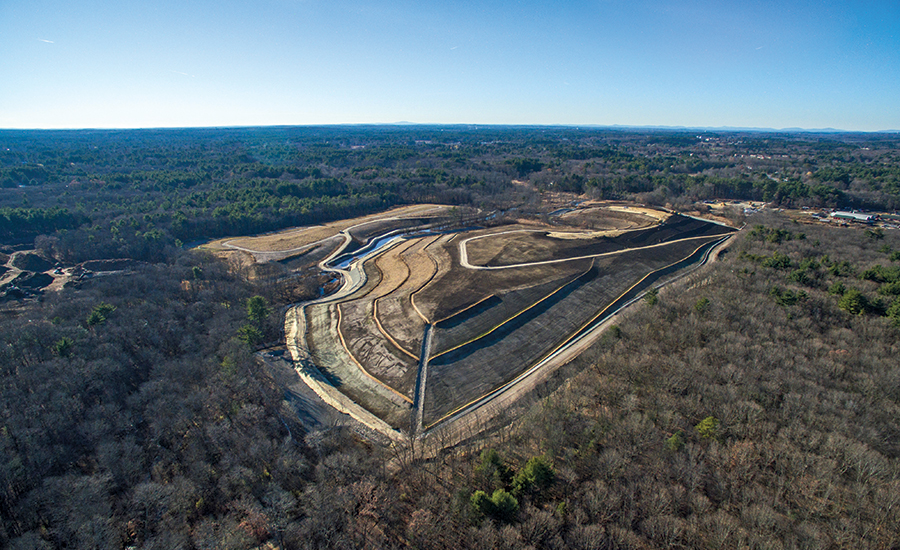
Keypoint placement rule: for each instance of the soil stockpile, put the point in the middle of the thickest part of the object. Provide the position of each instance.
(32, 280)
(27, 261)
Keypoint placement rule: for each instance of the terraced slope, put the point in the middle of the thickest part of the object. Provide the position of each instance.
(493, 303)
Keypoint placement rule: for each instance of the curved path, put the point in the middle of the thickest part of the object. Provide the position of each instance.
(473, 414)
(464, 254)
(353, 277)
(466, 417)
(267, 255)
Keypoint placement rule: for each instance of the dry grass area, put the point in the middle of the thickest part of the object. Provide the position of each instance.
(282, 241)
(396, 313)
(297, 238)
(368, 230)
(602, 215)
(658, 215)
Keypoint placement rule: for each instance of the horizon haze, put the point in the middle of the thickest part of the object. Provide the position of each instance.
(748, 65)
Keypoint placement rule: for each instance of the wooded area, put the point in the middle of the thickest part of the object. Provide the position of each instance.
(753, 404)
(140, 194)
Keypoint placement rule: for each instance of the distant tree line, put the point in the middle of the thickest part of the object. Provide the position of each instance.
(143, 194)
(753, 404)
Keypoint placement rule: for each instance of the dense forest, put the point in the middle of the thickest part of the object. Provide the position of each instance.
(753, 404)
(142, 194)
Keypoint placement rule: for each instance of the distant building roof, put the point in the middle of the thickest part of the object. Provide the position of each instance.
(853, 216)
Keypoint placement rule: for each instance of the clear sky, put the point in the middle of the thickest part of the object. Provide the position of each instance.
(141, 63)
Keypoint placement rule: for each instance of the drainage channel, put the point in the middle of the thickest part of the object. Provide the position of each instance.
(699, 257)
(418, 404)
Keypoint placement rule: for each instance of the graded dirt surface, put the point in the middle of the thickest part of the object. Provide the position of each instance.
(658, 215)
(284, 244)
(458, 289)
(432, 323)
(397, 314)
(524, 246)
(38, 272)
(612, 217)
(329, 354)
(542, 318)
(366, 340)
(278, 242)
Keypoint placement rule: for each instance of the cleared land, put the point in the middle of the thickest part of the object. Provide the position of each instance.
(612, 217)
(489, 359)
(285, 244)
(396, 312)
(494, 302)
(329, 354)
(529, 246)
(366, 339)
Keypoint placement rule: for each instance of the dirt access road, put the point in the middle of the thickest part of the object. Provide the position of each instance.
(469, 417)
(284, 244)
(472, 417)
(464, 254)
(353, 277)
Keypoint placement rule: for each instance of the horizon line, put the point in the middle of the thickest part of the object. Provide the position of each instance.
(754, 129)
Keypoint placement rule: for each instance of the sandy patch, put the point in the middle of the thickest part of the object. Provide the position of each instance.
(653, 213)
(298, 237)
(574, 235)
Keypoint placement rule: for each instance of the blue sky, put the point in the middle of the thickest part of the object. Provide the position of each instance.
(134, 64)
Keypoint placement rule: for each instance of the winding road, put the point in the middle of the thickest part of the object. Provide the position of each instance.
(353, 277)
(472, 414)
(568, 350)
(464, 253)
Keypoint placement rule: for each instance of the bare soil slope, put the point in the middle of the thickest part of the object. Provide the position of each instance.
(493, 302)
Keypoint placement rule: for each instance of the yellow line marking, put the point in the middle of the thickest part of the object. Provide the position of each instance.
(373, 290)
(372, 262)
(557, 348)
(378, 324)
(514, 316)
(358, 364)
(354, 297)
(387, 335)
(426, 283)
(460, 312)
(405, 278)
